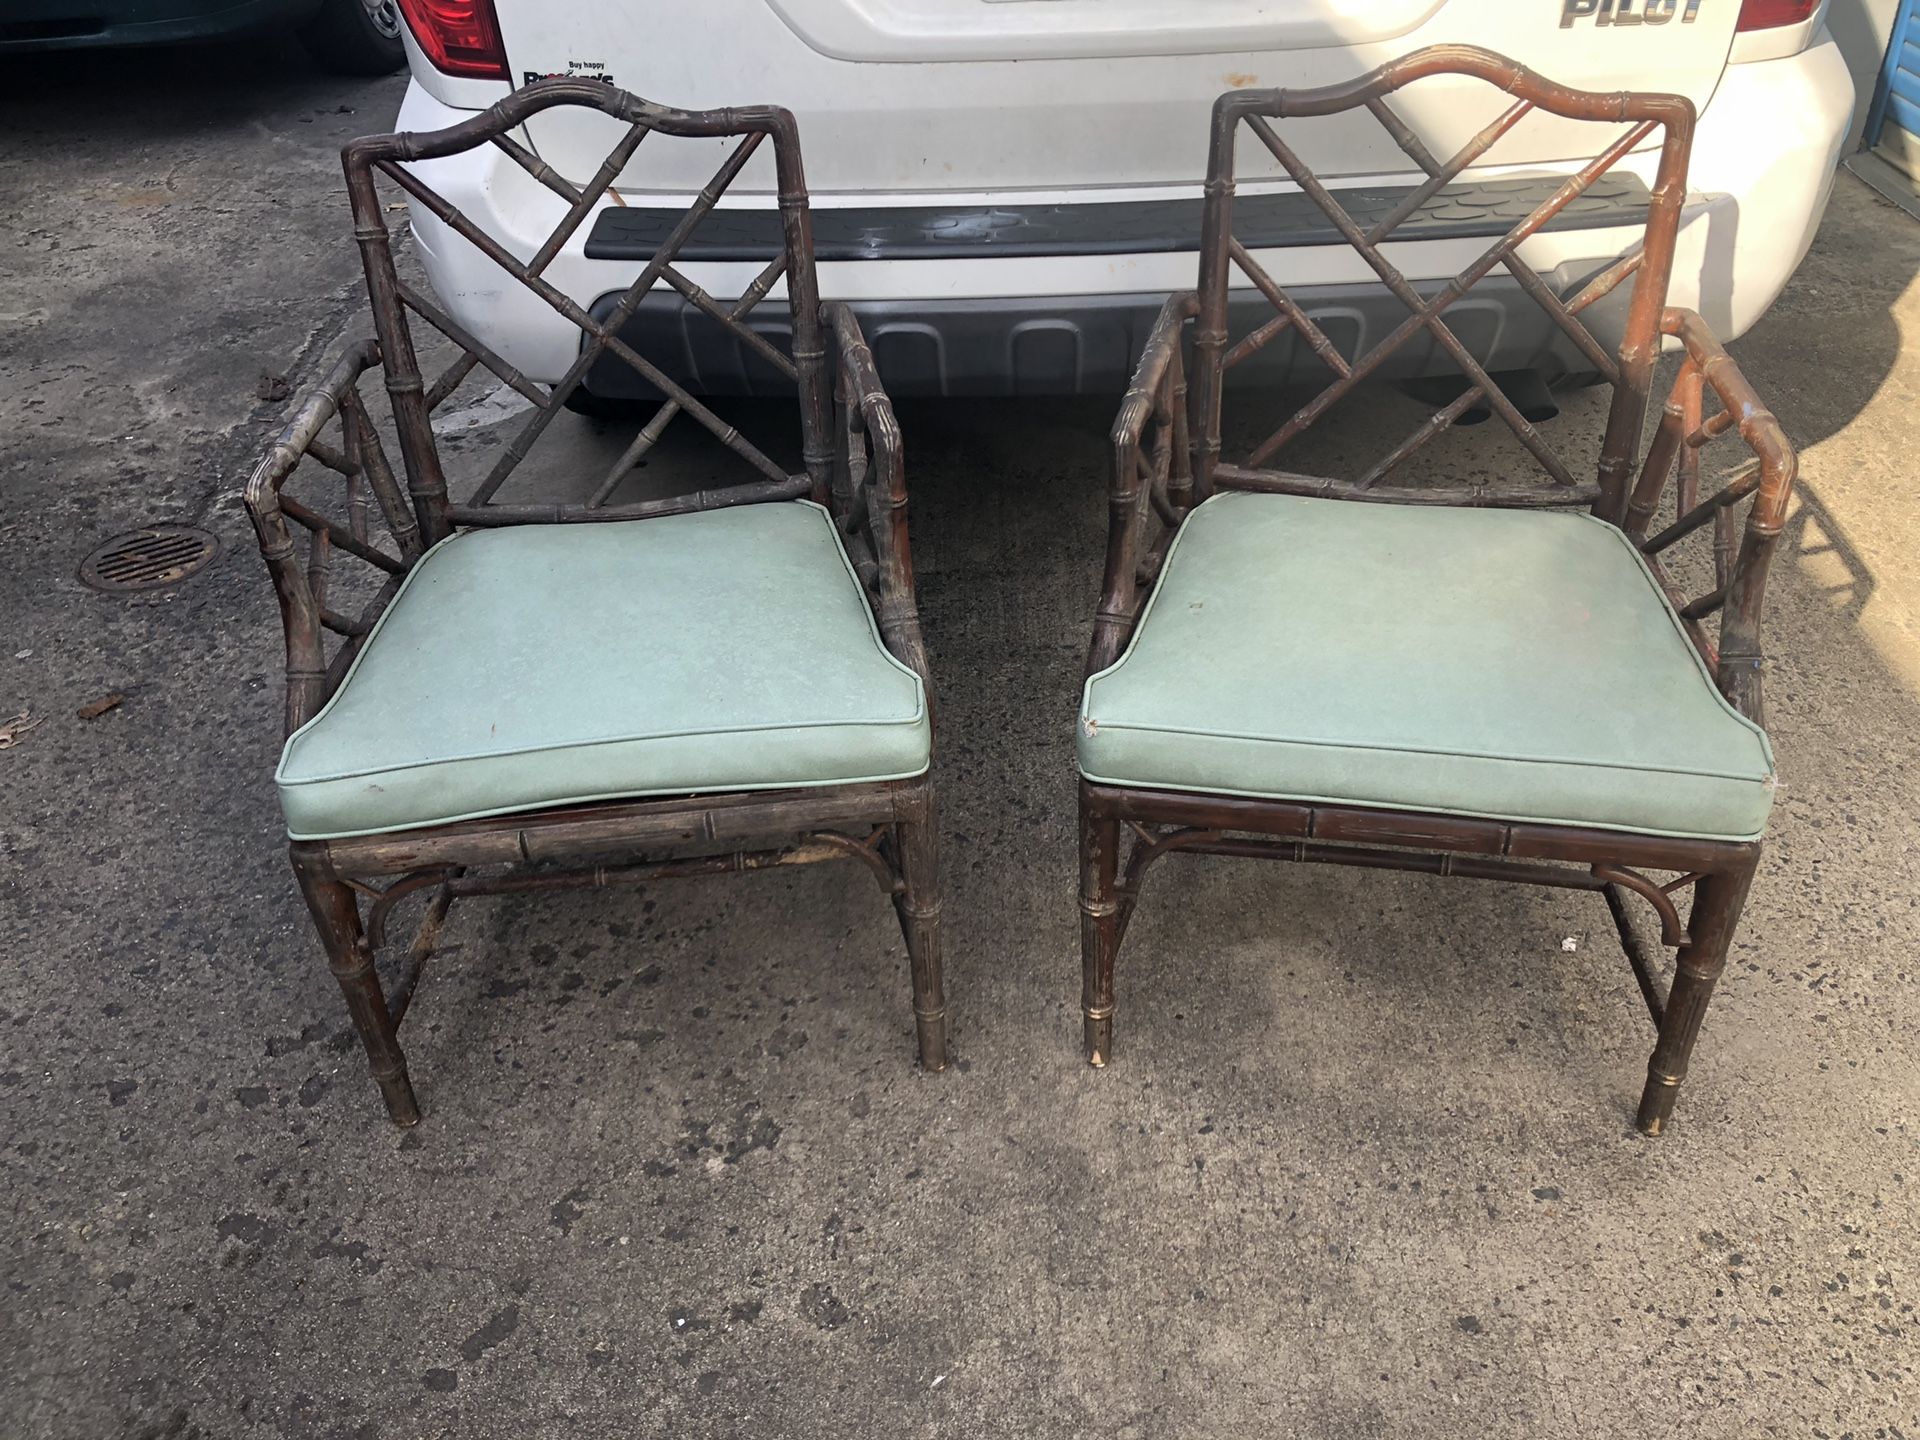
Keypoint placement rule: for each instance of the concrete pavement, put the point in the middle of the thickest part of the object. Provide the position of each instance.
(1364, 1165)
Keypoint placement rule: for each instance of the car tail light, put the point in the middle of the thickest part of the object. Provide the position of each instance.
(460, 37)
(1771, 14)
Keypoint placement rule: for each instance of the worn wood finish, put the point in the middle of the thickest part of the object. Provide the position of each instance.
(336, 915)
(1716, 913)
(373, 158)
(915, 855)
(853, 465)
(1166, 456)
(1630, 371)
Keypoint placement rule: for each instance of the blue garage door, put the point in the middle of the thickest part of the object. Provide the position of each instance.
(1893, 125)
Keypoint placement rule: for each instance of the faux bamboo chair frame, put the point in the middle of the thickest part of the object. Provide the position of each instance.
(851, 445)
(1166, 458)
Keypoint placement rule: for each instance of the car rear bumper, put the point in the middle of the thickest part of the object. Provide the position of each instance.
(1088, 344)
(1048, 293)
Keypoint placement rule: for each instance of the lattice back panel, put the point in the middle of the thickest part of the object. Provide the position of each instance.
(397, 303)
(1633, 118)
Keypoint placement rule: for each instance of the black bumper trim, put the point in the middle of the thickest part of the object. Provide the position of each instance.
(1088, 345)
(1132, 227)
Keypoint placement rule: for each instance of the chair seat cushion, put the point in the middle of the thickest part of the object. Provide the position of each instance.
(543, 665)
(1513, 665)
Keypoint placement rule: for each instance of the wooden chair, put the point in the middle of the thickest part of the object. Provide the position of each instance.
(702, 684)
(1459, 681)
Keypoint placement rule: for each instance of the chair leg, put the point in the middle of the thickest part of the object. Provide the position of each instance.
(336, 915)
(1099, 926)
(1717, 902)
(917, 848)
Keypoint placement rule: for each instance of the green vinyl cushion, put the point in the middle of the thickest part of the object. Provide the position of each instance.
(543, 665)
(1514, 665)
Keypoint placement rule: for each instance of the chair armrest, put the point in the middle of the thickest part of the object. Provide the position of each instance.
(1779, 463)
(301, 584)
(1740, 562)
(1152, 478)
(869, 496)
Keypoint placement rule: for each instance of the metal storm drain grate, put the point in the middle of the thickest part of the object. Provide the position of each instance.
(148, 559)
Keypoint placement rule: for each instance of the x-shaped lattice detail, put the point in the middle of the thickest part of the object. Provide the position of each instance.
(1426, 313)
(395, 157)
(602, 337)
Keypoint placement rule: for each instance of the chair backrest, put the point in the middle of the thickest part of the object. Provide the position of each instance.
(1629, 369)
(396, 301)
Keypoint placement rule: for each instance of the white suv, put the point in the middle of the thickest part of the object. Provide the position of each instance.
(1005, 190)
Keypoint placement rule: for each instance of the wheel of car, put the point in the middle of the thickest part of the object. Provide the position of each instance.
(356, 37)
(1578, 380)
(582, 401)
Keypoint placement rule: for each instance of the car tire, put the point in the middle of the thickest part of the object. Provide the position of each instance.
(1578, 380)
(582, 401)
(356, 37)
